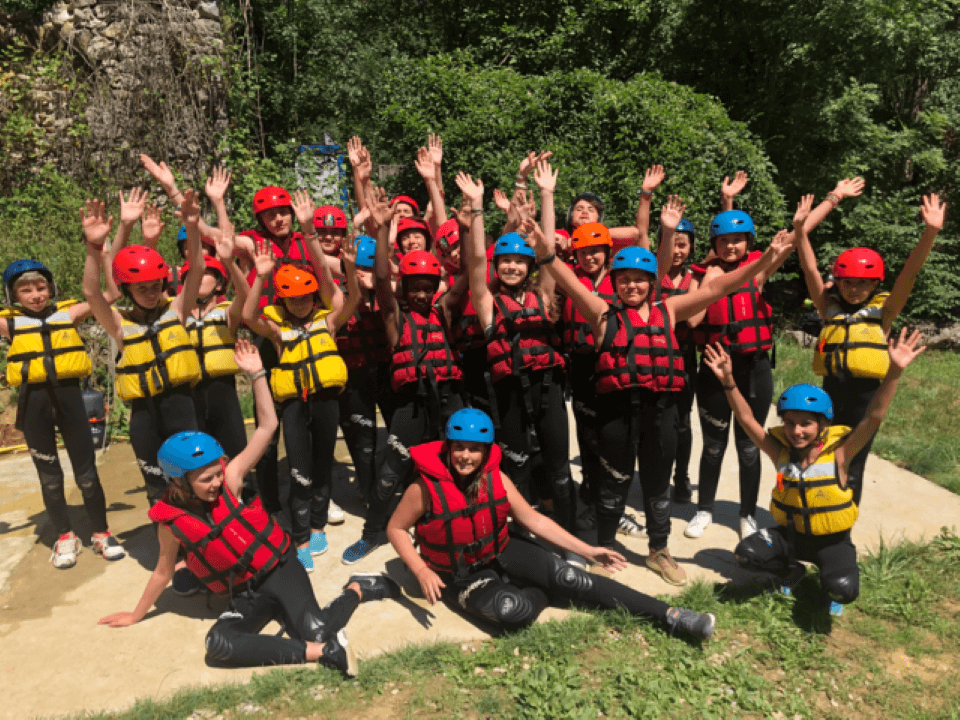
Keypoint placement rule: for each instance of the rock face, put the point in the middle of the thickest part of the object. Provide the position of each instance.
(98, 76)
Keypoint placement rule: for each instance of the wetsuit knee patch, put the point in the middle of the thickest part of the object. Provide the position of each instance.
(749, 452)
(844, 587)
(218, 645)
(569, 577)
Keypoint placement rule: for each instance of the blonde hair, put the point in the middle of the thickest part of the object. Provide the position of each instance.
(30, 276)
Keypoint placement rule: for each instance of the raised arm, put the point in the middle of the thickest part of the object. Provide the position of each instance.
(96, 228)
(808, 261)
(851, 187)
(651, 181)
(719, 361)
(216, 190)
(716, 286)
(248, 359)
(304, 208)
(152, 225)
(348, 254)
(189, 214)
(731, 188)
(225, 248)
(265, 264)
(546, 178)
(362, 172)
(131, 209)
(385, 218)
(473, 251)
(670, 216)
(933, 212)
(164, 176)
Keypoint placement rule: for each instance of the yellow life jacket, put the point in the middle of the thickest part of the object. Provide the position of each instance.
(45, 349)
(309, 360)
(155, 357)
(853, 343)
(214, 342)
(812, 497)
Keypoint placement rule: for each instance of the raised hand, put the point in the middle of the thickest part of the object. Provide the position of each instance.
(653, 177)
(160, 172)
(348, 250)
(731, 188)
(501, 200)
(531, 161)
(152, 225)
(435, 145)
(472, 189)
(672, 212)
(905, 350)
(217, 184)
(782, 244)
(851, 187)
(534, 236)
(933, 211)
(380, 208)
(545, 176)
(96, 224)
(803, 210)
(189, 212)
(132, 208)
(264, 259)
(304, 208)
(360, 219)
(247, 357)
(353, 150)
(225, 245)
(717, 360)
(425, 165)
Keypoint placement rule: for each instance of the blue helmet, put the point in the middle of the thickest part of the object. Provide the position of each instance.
(634, 258)
(366, 251)
(684, 226)
(806, 397)
(18, 268)
(182, 234)
(471, 425)
(731, 221)
(513, 244)
(187, 451)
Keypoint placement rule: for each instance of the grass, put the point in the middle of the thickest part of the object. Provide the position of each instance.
(894, 653)
(922, 430)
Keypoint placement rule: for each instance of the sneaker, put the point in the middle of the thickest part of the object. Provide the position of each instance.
(748, 526)
(65, 551)
(335, 515)
(662, 562)
(338, 654)
(106, 545)
(305, 558)
(358, 551)
(375, 586)
(699, 624)
(318, 543)
(835, 608)
(700, 522)
(630, 527)
(185, 583)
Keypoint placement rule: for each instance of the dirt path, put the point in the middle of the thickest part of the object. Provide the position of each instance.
(44, 611)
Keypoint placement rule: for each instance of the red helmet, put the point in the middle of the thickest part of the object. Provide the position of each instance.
(138, 264)
(419, 262)
(329, 216)
(293, 281)
(859, 262)
(591, 234)
(210, 263)
(413, 224)
(565, 253)
(270, 197)
(448, 235)
(408, 200)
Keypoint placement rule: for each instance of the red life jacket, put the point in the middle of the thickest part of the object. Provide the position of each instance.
(243, 543)
(422, 353)
(743, 320)
(577, 335)
(296, 254)
(666, 290)
(362, 340)
(455, 536)
(521, 337)
(638, 354)
(467, 333)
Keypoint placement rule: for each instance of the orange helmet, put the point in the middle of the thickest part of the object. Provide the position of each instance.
(591, 234)
(292, 281)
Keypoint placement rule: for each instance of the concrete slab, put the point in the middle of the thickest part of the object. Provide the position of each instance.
(44, 611)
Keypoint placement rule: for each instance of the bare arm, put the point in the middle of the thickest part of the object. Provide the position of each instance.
(729, 189)
(429, 168)
(474, 252)
(412, 506)
(670, 216)
(933, 213)
(131, 209)
(651, 180)
(851, 187)
(251, 307)
(225, 250)
(385, 218)
(96, 228)
(808, 261)
(546, 179)
(189, 213)
(339, 316)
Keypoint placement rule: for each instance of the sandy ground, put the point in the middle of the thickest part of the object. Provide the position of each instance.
(55, 659)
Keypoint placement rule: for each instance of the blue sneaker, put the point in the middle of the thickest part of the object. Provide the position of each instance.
(358, 551)
(318, 543)
(836, 609)
(305, 558)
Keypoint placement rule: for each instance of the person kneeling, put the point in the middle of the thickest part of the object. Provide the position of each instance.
(812, 503)
(460, 504)
(240, 552)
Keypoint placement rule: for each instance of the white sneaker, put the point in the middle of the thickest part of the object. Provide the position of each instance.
(700, 522)
(65, 551)
(335, 515)
(748, 526)
(630, 527)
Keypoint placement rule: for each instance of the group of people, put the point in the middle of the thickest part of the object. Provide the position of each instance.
(467, 345)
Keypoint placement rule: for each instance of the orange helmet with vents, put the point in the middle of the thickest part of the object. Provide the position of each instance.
(292, 281)
(591, 234)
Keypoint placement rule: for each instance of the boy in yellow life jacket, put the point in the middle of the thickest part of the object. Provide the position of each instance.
(851, 353)
(813, 504)
(47, 360)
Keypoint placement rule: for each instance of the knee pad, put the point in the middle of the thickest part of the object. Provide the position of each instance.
(218, 644)
(749, 452)
(569, 578)
(845, 587)
(52, 482)
(714, 449)
(387, 486)
(758, 551)
(314, 628)
(513, 608)
(87, 483)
